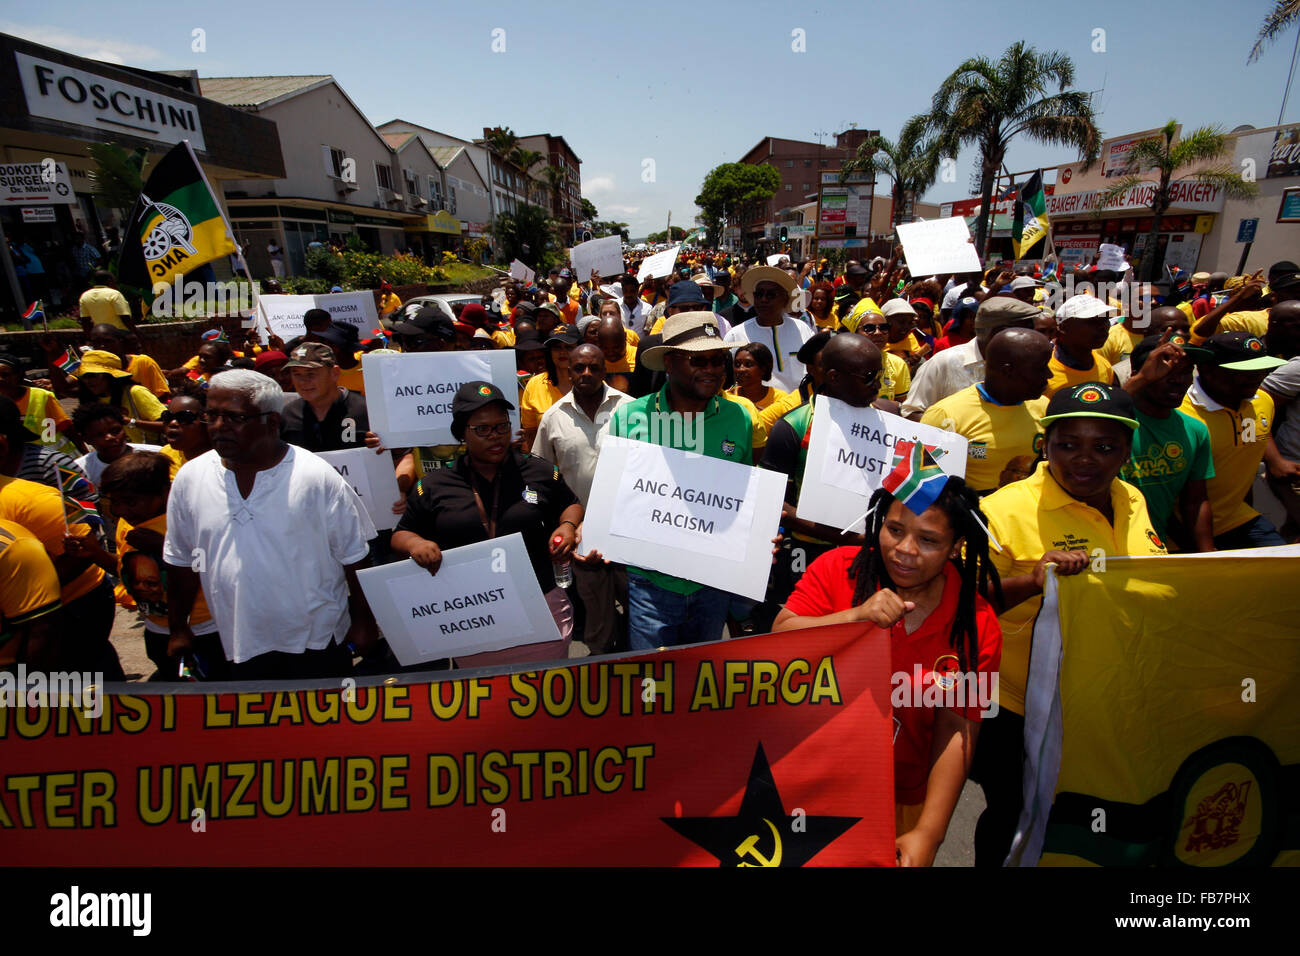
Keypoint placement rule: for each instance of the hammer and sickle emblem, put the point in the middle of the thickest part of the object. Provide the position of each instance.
(747, 848)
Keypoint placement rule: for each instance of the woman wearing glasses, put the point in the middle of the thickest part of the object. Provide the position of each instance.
(867, 319)
(491, 491)
(183, 427)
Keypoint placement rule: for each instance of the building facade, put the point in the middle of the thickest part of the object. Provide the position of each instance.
(565, 200)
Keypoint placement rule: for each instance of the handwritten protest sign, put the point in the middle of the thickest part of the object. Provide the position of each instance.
(371, 477)
(285, 312)
(521, 272)
(659, 265)
(601, 257)
(699, 518)
(409, 395)
(484, 597)
(938, 246)
(1111, 257)
(850, 451)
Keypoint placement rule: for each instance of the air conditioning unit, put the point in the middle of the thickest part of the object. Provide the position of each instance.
(421, 201)
(343, 187)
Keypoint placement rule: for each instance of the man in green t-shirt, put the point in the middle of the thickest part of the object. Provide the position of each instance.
(1171, 459)
(689, 415)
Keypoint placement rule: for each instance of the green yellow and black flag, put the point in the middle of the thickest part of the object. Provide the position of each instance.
(1029, 225)
(176, 225)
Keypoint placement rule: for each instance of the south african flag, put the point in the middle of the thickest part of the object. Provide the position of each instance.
(916, 478)
(78, 498)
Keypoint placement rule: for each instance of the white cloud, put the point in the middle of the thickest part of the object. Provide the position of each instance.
(597, 184)
(94, 48)
(624, 210)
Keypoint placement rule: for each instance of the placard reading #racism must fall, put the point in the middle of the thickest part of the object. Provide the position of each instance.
(702, 519)
(851, 450)
(410, 395)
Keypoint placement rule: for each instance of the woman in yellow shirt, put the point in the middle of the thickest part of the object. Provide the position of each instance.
(102, 380)
(821, 302)
(753, 363)
(544, 390)
(1072, 509)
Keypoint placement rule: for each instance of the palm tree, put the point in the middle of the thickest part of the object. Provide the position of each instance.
(501, 140)
(556, 179)
(991, 103)
(912, 163)
(117, 178)
(1284, 13)
(525, 159)
(1163, 156)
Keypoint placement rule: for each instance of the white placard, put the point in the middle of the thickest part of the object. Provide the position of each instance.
(409, 395)
(1111, 258)
(603, 256)
(44, 183)
(521, 272)
(372, 478)
(938, 246)
(659, 265)
(773, 260)
(851, 450)
(285, 312)
(484, 597)
(722, 538)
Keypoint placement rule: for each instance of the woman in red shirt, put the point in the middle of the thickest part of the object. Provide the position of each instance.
(922, 579)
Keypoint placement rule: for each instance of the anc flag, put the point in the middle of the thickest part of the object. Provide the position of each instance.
(916, 480)
(1029, 225)
(1162, 726)
(176, 225)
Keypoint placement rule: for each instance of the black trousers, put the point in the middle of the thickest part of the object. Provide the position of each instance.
(82, 630)
(332, 661)
(207, 646)
(999, 768)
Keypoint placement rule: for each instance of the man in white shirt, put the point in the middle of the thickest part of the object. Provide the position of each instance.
(276, 537)
(632, 307)
(769, 289)
(569, 437)
(961, 366)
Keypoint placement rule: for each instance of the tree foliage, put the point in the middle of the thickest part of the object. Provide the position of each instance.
(117, 177)
(728, 188)
(911, 163)
(1283, 15)
(678, 234)
(589, 210)
(528, 235)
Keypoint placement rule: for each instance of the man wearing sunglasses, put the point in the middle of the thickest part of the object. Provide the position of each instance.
(688, 414)
(769, 289)
(276, 537)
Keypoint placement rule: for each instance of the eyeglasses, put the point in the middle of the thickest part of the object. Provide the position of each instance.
(769, 293)
(181, 418)
(488, 431)
(707, 360)
(237, 419)
(868, 327)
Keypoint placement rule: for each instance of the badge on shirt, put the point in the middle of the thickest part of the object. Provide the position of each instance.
(728, 448)
(530, 496)
(977, 449)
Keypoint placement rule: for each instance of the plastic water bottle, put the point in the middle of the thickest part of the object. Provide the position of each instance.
(563, 569)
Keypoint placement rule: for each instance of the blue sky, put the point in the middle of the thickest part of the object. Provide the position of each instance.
(701, 84)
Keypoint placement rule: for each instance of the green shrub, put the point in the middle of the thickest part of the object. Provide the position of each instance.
(324, 263)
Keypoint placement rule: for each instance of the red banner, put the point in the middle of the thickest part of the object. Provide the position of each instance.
(766, 751)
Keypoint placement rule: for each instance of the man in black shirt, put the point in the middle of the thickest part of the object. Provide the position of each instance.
(322, 416)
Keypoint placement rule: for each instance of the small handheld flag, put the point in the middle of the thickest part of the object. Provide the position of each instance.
(68, 362)
(35, 312)
(77, 493)
(916, 478)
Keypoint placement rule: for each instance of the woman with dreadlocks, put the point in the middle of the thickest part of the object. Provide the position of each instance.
(922, 577)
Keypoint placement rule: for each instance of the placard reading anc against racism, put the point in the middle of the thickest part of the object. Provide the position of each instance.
(603, 257)
(372, 478)
(851, 450)
(484, 597)
(409, 395)
(703, 519)
(521, 272)
(659, 265)
(285, 312)
(938, 246)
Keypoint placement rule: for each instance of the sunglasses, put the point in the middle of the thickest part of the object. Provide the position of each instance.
(488, 431)
(707, 360)
(183, 418)
(236, 419)
(869, 327)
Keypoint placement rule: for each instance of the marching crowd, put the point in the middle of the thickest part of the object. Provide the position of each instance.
(1130, 417)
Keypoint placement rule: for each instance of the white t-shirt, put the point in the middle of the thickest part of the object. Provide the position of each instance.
(272, 564)
(784, 340)
(94, 466)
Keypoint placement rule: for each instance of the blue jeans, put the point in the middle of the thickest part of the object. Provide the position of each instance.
(1258, 533)
(660, 618)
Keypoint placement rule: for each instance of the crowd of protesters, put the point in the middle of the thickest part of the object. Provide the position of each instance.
(1098, 411)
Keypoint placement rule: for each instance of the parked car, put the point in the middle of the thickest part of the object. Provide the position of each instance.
(442, 301)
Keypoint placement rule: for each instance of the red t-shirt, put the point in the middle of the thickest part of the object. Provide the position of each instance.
(826, 588)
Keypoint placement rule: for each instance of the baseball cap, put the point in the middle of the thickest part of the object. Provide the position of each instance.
(311, 355)
(552, 308)
(857, 269)
(472, 396)
(1000, 310)
(967, 303)
(1283, 275)
(564, 335)
(898, 307)
(271, 358)
(1137, 358)
(1083, 307)
(1092, 400)
(1238, 352)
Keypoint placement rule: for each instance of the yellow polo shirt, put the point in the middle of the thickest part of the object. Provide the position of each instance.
(39, 509)
(1034, 516)
(1236, 452)
(29, 585)
(1064, 377)
(1119, 344)
(787, 402)
(895, 377)
(999, 435)
(539, 395)
(759, 438)
(1255, 322)
(104, 306)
